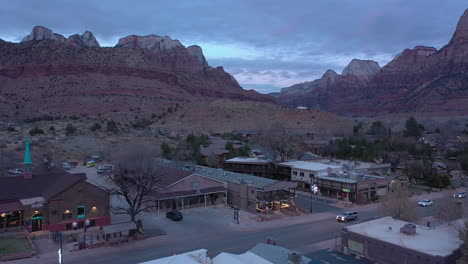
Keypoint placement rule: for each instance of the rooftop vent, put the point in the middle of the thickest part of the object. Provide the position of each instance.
(409, 229)
(294, 258)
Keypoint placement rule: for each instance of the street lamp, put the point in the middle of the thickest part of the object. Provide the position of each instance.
(311, 191)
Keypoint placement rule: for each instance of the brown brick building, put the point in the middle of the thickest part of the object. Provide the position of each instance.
(51, 200)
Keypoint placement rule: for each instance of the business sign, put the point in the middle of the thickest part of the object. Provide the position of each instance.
(314, 188)
(346, 190)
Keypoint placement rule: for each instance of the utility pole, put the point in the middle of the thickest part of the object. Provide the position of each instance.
(311, 192)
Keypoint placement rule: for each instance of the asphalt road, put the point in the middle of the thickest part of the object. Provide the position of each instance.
(293, 237)
(296, 237)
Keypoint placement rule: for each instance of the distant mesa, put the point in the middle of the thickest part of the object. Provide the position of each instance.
(39, 33)
(87, 39)
(150, 42)
(43, 33)
(363, 68)
(422, 79)
(425, 51)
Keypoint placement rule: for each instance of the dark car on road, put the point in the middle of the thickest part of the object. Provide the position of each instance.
(346, 216)
(460, 195)
(174, 215)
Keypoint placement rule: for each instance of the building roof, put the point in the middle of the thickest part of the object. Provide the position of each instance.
(41, 185)
(170, 176)
(119, 227)
(275, 254)
(162, 195)
(247, 160)
(441, 241)
(221, 175)
(335, 257)
(9, 206)
(308, 165)
(199, 256)
(245, 258)
(353, 165)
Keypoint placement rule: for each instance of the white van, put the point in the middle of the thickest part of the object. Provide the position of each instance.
(104, 168)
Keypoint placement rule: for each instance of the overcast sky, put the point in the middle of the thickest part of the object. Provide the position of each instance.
(265, 44)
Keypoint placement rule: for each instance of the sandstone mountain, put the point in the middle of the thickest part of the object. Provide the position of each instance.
(422, 79)
(142, 77)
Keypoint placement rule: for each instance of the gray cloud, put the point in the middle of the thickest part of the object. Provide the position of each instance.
(294, 40)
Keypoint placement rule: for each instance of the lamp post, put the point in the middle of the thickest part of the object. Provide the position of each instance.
(311, 191)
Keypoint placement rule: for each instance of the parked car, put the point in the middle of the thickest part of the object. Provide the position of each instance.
(90, 163)
(174, 215)
(346, 216)
(95, 157)
(425, 203)
(104, 168)
(66, 166)
(15, 172)
(460, 195)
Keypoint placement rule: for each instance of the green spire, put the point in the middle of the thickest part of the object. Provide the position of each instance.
(27, 154)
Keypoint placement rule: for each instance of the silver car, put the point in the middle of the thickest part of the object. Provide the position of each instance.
(346, 216)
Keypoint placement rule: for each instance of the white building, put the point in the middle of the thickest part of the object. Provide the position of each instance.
(303, 172)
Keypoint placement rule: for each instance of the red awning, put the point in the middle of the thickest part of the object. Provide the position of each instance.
(10, 206)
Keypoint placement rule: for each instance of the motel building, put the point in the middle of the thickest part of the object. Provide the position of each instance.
(51, 200)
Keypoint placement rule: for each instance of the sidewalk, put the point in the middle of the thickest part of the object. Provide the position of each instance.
(249, 221)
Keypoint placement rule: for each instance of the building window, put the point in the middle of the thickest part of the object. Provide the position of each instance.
(301, 174)
(195, 184)
(80, 212)
(311, 175)
(295, 173)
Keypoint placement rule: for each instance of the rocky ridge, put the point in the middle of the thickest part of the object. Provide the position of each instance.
(141, 77)
(422, 79)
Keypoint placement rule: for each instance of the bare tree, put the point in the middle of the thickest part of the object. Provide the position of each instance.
(397, 204)
(279, 144)
(135, 178)
(212, 161)
(448, 208)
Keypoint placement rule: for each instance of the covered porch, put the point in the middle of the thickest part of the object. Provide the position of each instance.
(190, 199)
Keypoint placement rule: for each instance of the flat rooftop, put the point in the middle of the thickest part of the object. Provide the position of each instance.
(357, 165)
(309, 165)
(247, 160)
(441, 241)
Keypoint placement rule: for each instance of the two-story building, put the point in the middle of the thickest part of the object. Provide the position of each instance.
(303, 172)
(51, 200)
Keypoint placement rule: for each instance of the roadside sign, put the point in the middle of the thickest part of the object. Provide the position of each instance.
(346, 190)
(236, 215)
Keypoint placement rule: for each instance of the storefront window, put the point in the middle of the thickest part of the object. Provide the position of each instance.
(80, 212)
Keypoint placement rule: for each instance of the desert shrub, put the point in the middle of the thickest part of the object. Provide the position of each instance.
(36, 131)
(142, 123)
(112, 127)
(70, 129)
(95, 127)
